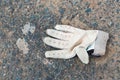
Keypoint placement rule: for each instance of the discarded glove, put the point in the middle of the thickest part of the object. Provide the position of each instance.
(73, 41)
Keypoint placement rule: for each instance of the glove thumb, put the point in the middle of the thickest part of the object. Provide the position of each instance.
(82, 54)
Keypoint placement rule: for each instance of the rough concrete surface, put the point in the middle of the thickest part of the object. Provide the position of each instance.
(85, 14)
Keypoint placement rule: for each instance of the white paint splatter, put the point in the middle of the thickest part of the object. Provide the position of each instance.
(22, 45)
(28, 28)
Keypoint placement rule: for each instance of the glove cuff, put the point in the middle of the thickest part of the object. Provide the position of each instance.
(100, 43)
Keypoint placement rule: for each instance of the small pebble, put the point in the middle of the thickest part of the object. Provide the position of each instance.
(88, 10)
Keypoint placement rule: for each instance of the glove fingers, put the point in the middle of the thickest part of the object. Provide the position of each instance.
(60, 54)
(66, 28)
(56, 43)
(59, 34)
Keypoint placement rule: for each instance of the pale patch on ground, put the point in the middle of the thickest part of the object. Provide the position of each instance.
(46, 62)
(22, 45)
(28, 28)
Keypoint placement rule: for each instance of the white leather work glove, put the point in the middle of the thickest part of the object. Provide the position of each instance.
(71, 41)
